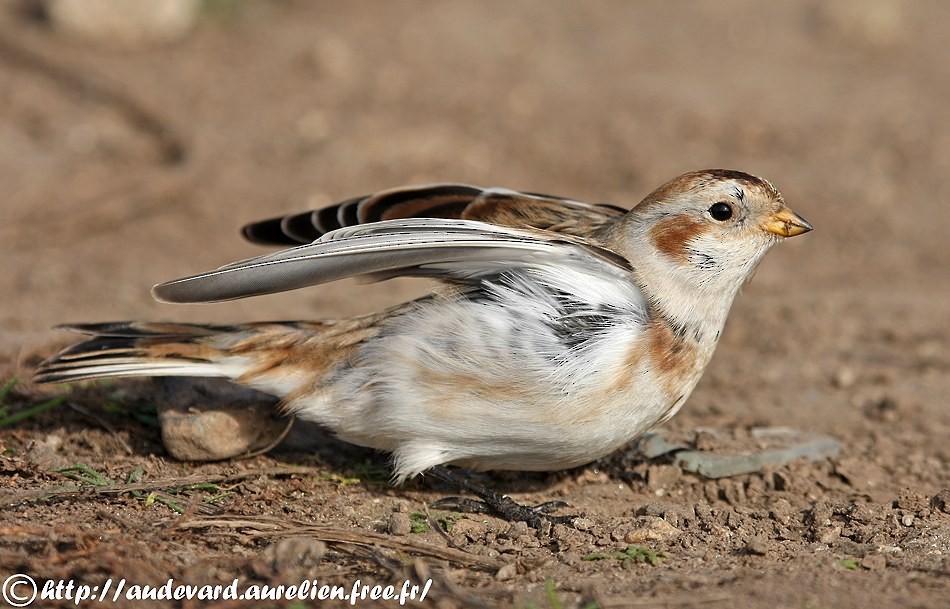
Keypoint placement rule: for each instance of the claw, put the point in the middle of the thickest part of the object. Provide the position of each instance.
(549, 506)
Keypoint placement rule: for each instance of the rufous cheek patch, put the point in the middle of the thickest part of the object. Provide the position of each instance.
(672, 235)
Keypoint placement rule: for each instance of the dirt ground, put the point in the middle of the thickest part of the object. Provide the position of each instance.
(120, 168)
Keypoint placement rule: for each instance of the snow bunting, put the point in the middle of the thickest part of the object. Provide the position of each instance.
(561, 330)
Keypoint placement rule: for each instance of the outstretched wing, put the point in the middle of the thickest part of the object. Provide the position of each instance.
(451, 201)
(452, 250)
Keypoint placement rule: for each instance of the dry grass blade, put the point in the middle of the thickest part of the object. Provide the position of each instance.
(12, 499)
(273, 527)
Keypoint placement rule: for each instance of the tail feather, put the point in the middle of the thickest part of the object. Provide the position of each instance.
(137, 329)
(274, 357)
(137, 349)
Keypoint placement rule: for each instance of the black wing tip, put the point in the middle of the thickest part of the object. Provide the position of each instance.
(268, 232)
(305, 227)
(301, 227)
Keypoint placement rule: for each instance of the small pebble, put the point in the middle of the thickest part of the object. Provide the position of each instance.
(124, 24)
(399, 524)
(207, 420)
(652, 528)
(844, 378)
(292, 556)
(757, 546)
(907, 520)
(941, 501)
(516, 530)
(298, 552)
(782, 511)
(506, 573)
(570, 559)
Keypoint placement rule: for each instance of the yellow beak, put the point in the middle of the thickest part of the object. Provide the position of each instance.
(786, 223)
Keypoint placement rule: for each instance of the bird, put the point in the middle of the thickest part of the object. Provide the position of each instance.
(557, 332)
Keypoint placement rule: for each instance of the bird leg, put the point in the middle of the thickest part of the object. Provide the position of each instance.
(490, 501)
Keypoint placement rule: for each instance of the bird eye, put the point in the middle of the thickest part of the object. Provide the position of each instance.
(720, 211)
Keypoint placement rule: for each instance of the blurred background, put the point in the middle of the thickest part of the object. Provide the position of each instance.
(137, 137)
(134, 142)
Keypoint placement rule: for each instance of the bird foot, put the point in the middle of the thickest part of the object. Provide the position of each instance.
(491, 502)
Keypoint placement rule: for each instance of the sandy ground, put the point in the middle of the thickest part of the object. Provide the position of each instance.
(123, 168)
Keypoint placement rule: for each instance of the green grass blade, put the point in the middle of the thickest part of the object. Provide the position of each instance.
(85, 474)
(30, 412)
(7, 389)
